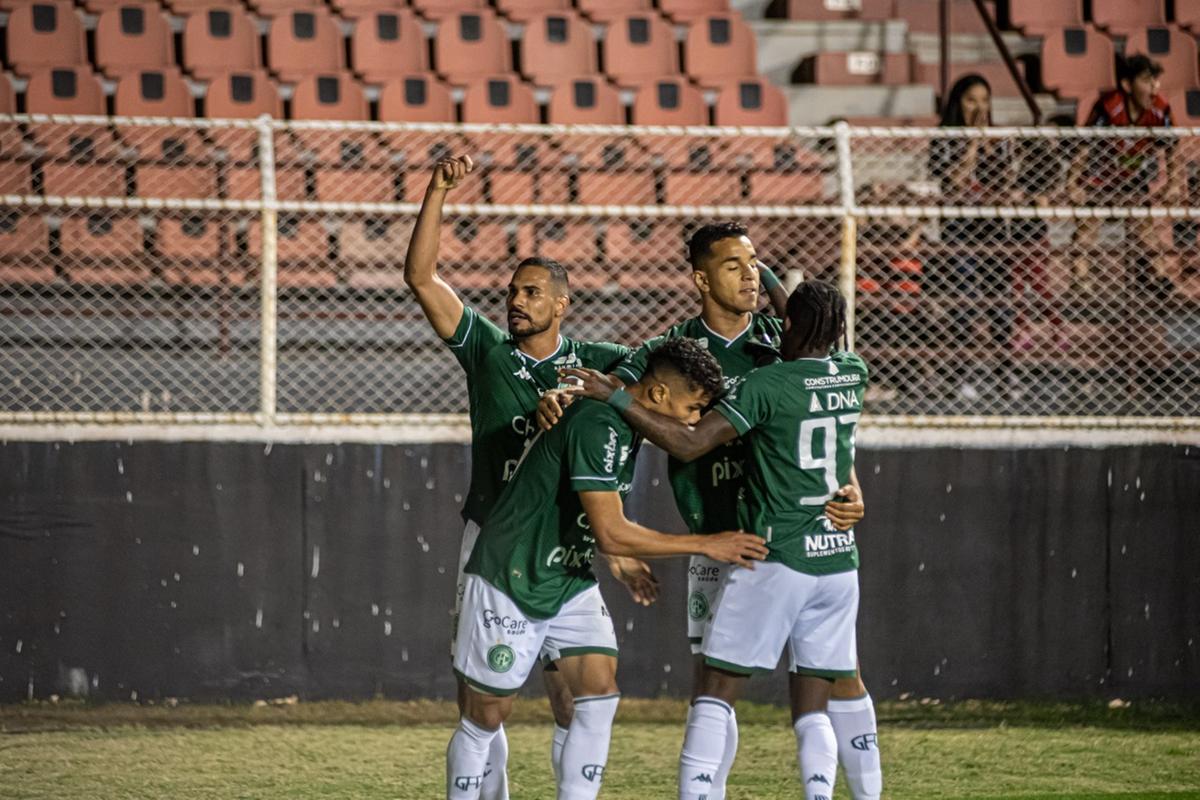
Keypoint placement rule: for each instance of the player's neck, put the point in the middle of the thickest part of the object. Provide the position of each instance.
(540, 346)
(723, 322)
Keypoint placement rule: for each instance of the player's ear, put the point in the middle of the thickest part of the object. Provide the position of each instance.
(701, 280)
(660, 393)
(560, 305)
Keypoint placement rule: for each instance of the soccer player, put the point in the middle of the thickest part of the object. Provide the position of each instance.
(728, 274)
(530, 592)
(800, 417)
(505, 375)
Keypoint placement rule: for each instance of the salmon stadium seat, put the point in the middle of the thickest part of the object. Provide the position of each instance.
(1039, 17)
(857, 69)
(499, 100)
(585, 101)
(24, 249)
(104, 248)
(472, 44)
(1172, 48)
(60, 178)
(1077, 61)
(218, 41)
(1123, 16)
(159, 93)
(669, 101)
(557, 46)
(44, 35)
(133, 36)
(526, 10)
(442, 9)
(304, 42)
(687, 11)
(416, 98)
(242, 95)
(751, 101)
(64, 90)
(719, 47)
(609, 10)
(335, 96)
(1185, 107)
(640, 48)
(387, 44)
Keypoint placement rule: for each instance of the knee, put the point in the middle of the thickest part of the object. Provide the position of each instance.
(849, 688)
(486, 711)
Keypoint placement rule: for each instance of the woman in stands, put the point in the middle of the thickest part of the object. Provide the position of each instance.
(972, 172)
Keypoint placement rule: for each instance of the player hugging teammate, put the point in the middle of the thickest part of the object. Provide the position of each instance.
(526, 587)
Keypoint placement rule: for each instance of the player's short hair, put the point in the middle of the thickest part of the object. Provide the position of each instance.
(817, 312)
(1130, 67)
(700, 245)
(690, 360)
(558, 272)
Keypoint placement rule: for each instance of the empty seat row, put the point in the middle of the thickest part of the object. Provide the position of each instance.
(1079, 60)
(412, 98)
(136, 35)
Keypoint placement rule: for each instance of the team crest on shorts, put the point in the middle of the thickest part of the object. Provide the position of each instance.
(698, 605)
(500, 658)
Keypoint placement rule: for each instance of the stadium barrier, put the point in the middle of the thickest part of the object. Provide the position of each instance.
(209, 271)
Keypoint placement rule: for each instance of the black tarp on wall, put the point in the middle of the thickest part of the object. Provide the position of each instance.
(245, 570)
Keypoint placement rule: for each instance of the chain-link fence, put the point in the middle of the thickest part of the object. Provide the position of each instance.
(155, 270)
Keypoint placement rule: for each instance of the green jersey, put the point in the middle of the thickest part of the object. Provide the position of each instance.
(503, 386)
(536, 545)
(800, 418)
(707, 489)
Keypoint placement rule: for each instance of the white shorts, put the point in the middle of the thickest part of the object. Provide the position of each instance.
(498, 646)
(703, 588)
(759, 611)
(470, 534)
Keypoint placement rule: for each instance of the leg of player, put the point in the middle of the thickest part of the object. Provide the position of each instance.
(853, 716)
(495, 782)
(592, 678)
(816, 743)
(706, 740)
(562, 706)
(704, 583)
(470, 746)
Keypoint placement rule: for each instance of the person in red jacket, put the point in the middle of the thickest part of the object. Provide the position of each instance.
(1123, 171)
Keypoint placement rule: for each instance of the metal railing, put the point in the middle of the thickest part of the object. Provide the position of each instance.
(249, 272)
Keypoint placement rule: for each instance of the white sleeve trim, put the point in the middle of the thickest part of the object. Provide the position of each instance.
(745, 421)
(591, 478)
(467, 333)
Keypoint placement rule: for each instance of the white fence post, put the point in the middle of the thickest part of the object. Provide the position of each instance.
(268, 219)
(847, 274)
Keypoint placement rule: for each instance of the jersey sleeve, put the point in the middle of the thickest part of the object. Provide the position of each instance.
(631, 368)
(747, 405)
(597, 448)
(605, 356)
(473, 337)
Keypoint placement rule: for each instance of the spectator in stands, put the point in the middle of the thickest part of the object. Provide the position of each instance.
(1121, 171)
(971, 171)
(1038, 182)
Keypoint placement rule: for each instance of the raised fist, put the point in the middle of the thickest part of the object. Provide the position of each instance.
(449, 171)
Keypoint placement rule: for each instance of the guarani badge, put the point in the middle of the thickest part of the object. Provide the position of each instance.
(500, 658)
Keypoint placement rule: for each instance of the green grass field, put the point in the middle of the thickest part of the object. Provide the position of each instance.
(384, 749)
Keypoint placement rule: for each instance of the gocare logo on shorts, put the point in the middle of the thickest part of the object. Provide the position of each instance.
(513, 626)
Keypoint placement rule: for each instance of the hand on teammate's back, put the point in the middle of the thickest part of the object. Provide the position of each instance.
(846, 508)
(449, 171)
(736, 547)
(551, 406)
(637, 577)
(592, 383)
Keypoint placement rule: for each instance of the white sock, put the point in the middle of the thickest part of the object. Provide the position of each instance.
(585, 751)
(466, 760)
(818, 755)
(703, 747)
(556, 748)
(858, 745)
(495, 775)
(731, 746)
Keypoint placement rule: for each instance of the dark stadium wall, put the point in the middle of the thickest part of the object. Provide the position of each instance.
(243, 570)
